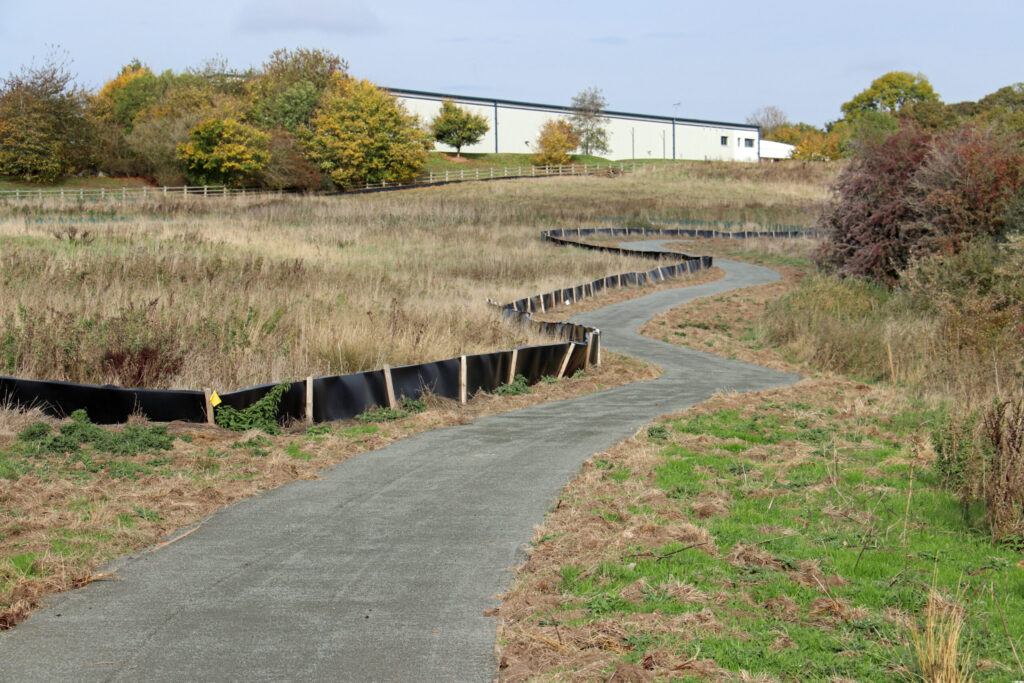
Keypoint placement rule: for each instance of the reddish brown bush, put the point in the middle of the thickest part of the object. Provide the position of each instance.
(917, 193)
(866, 219)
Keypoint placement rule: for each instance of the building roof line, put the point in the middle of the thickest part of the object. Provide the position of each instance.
(560, 108)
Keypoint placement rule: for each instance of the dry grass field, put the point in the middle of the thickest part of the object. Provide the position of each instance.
(185, 293)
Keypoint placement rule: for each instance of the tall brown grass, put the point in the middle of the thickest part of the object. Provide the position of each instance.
(229, 292)
(941, 656)
(940, 334)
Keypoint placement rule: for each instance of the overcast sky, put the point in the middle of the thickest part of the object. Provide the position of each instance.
(718, 61)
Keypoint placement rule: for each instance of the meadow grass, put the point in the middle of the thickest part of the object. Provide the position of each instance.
(230, 292)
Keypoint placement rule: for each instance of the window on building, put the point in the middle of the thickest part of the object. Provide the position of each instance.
(749, 142)
(725, 140)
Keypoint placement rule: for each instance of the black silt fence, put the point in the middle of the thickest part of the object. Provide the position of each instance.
(104, 404)
(342, 397)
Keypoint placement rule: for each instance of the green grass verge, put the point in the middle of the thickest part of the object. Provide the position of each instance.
(823, 560)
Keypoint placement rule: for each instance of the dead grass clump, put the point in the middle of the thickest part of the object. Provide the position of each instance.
(635, 592)
(1003, 427)
(711, 504)
(783, 606)
(829, 607)
(743, 555)
(809, 574)
(13, 419)
(684, 592)
(941, 656)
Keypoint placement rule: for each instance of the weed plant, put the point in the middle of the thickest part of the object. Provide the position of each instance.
(260, 415)
(517, 387)
(384, 414)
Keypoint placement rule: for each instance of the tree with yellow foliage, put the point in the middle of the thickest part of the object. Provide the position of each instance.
(224, 151)
(362, 135)
(557, 138)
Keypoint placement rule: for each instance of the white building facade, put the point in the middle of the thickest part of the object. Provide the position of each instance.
(515, 126)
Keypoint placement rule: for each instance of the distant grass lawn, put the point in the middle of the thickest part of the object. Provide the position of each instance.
(9, 183)
(440, 161)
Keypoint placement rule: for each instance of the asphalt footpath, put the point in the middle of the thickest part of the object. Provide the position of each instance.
(382, 569)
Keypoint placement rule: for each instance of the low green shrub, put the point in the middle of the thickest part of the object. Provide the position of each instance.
(71, 436)
(657, 432)
(516, 387)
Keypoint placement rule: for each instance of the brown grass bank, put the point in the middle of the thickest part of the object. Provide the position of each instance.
(184, 293)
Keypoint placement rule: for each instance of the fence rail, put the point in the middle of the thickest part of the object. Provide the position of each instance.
(430, 178)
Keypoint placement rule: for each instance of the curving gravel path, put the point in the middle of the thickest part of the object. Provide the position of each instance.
(382, 569)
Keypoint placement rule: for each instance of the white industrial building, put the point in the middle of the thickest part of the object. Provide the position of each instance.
(515, 126)
(776, 150)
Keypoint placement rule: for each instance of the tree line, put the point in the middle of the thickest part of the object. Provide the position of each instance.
(894, 99)
(299, 121)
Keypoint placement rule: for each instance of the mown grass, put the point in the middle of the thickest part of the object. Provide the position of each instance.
(811, 532)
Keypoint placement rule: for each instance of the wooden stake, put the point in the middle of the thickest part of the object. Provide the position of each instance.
(541, 297)
(392, 403)
(208, 394)
(590, 347)
(565, 361)
(462, 379)
(512, 367)
(597, 343)
(309, 400)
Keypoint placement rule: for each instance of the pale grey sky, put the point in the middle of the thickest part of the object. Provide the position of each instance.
(718, 60)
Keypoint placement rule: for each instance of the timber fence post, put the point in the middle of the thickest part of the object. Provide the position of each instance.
(208, 395)
(462, 379)
(309, 400)
(389, 384)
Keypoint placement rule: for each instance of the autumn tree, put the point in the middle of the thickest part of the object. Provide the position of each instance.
(965, 187)
(289, 86)
(557, 139)
(889, 92)
(362, 134)
(223, 152)
(112, 111)
(185, 100)
(587, 106)
(455, 126)
(43, 132)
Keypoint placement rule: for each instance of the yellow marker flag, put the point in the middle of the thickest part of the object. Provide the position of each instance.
(215, 399)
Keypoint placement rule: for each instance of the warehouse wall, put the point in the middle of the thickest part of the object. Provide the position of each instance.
(514, 127)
